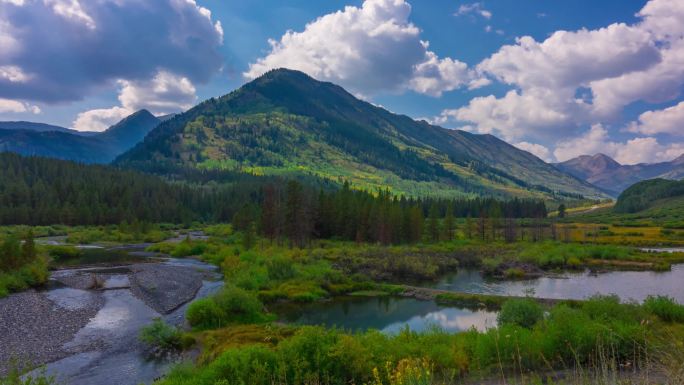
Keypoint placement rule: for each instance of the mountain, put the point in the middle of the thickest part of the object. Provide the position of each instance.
(102, 147)
(604, 172)
(648, 193)
(31, 126)
(286, 122)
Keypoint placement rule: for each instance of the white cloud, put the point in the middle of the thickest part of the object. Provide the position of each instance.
(74, 48)
(667, 121)
(369, 49)
(100, 119)
(14, 106)
(13, 74)
(548, 75)
(71, 10)
(434, 76)
(637, 150)
(536, 149)
(516, 115)
(473, 9)
(576, 79)
(163, 94)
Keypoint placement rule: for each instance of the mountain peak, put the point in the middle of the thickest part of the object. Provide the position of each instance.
(131, 129)
(285, 121)
(678, 160)
(605, 160)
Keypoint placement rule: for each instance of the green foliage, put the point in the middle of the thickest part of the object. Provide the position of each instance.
(15, 377)
(30, 275)
(665, 308)
(231, 305)
(521, 312)
(572, 335)
(161, 335)
(642, 195)
(20, 265)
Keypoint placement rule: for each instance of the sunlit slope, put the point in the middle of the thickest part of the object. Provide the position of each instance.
(285, 122)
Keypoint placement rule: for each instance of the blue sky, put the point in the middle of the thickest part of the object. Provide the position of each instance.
(611, 83)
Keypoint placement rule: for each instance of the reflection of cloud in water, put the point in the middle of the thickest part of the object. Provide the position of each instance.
(449, 319)
(454, 319)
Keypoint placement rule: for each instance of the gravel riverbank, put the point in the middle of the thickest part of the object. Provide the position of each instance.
(34, 328)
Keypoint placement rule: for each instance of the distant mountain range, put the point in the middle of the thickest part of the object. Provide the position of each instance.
(46, 140)
(287, 123)
(613, 177)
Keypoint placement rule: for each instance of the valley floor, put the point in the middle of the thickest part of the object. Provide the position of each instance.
(462, 311)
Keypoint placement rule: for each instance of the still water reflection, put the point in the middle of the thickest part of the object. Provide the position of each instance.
(636, 285)
(387, 314)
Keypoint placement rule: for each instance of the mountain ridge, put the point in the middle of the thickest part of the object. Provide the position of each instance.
(85, 147)
(287, 122)
(608, 174)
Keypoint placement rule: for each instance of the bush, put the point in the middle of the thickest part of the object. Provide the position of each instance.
(63, 253)
(280, 269)
(522, 312)
(33, 274)
(162, 335)
(205, 314)
(665, 308)
(231, 305)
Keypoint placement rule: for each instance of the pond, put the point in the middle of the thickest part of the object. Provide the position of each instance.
(387, 314)
(634, 285)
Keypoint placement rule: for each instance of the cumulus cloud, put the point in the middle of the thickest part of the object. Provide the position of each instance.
(369, 49)
(548, 75)
(637, 150)
(667, 121)
(14, 106)
(575, 79)
(101, 42)
(164, 93)
(100, 119)
(515, 115)
(536, 149)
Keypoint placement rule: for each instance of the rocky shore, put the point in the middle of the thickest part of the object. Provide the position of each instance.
(34, 328)
(38, 327)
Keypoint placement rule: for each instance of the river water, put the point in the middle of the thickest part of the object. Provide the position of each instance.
(392, 314)
(108, 351)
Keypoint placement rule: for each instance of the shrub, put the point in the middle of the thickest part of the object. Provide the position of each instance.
(162, 335)
(665, 308)
(230, 305)
(63, 253)
(522, 312)
(280, 269)
(205, 314)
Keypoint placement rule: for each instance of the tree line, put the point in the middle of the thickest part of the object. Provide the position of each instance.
(40, 191)
(300, 213)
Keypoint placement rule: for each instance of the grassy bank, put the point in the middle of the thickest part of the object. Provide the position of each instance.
(528, 342)
(22, 265)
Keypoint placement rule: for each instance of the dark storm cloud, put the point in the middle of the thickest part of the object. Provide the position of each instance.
(62, 50)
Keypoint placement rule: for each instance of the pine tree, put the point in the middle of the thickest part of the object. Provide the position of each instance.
(433, 223)
(449, 222)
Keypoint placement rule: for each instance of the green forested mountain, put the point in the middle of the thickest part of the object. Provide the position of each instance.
(286, 123)
(648, 193)
(43, 140)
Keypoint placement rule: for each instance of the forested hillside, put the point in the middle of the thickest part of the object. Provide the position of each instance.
(286, 123)
(644, 194)
(41, 191)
